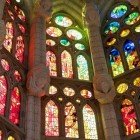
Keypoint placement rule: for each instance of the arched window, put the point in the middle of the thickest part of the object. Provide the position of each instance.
(89, 123)
(51, 119)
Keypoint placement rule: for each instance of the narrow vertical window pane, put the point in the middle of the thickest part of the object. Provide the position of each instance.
(3, 92)
(71, 123)
(51, 62)
(82, 67)
(116, 62)
(15, 106)
(9, 36)
(51, 119)
(131, 54)
(0, 135)
(89, 123)
(66, 61)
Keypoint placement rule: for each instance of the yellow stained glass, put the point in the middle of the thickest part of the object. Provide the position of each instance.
(54, 32)
(11, 138)
(122, 88)
(68, 91)
(137, 82)
(125, 33)
(111, 41)
(52, 90)
(137, 29)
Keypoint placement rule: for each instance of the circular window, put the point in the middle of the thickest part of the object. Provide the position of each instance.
(122, 88)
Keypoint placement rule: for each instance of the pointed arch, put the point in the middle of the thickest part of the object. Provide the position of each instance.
(51, 119)
(116, 62)
(14, 115)
(71, 123)
(51, 62)
(66, 62)
(82, 68)
(131, 54)
(129, 117)
(89, 123)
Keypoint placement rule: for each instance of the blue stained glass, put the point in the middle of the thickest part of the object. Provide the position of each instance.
(129, 46)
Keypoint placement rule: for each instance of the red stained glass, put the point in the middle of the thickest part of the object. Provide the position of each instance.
(66, 61)
(17, 76)
(11, 14)
(9, 36)
(8, 1)
(15, 106)
(5, 64)
(3, 92)
(22, 28)
(129, 117)
(51, 119)
(51, 62)
(19, 49)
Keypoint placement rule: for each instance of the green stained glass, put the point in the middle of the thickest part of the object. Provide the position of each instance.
(63, 21)
(132, 18)
(79, 46)
(54, 32)
(64, 42)
(112, 28)
(74, 34)
(137, 29)
(119, 11)
(82, 67)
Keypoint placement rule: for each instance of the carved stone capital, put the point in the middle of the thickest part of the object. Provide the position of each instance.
(2, 32)
(104, 88)
(38, 80)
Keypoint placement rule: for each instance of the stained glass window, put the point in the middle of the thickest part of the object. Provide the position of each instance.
(11, 138)
(116, 62)
(52, 90)
(51, 119)
(122, 88)
(111, 41)
(71, 124)
(82, 66)
(14, 116)
(89, 123)
(5, 64)
(3, 92)
(129, 117)
(137, 82)
(54, 32)
(86, 94)
(0, 135)
(68, 91)
(17, 76)
(51, 62)
(131, 54)
(74, 34)
(66, 62)
(50, 42)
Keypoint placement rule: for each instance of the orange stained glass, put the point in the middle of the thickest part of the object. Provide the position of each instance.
(124, 32)
(86, 94)
(51, 119)
(89, 123)
(137, 82)
(129, 117)
(71, 123)
(11, 138)
(111, 41)
(51, 62)
(9, 36)
(68, 91)
(0, 135)
(66, 62)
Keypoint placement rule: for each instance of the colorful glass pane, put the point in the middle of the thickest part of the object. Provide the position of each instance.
(20, 13)
(129, 117)
(116, 62)
(119, 11)
(125, 33)
(71, 123)
(64, 42)
(51, 119)
(111, 41)
(11, 138)
(74, 34)
(89, 123)
(52, 90)
(8, 1)
(3, 92)
(5, 64)
(51, 62)
(66, 62)
(18, 1)
(11, 15)
(137, 29)
(122, 88)
(137, 82)
(68, 91)
(54, 32)
(19, 54)
(86, 94)
(112, 28)
(9, 36)
(82, 66)
(14, 114)
(132, 18)
(17, 76)
(131, 54)
(80, 46)
(50, 42)
(0, 135)
(63, 21)
(22, 28)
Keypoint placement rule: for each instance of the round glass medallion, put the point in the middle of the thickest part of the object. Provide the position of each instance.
(137, 82)
(124, 32)
(122, 88)
(64, 42)
(79, 46)
(74, 34)
(111, 41)
(50, 42)
(137, 29)
(54, 32)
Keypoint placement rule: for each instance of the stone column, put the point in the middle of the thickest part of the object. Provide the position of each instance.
(103, 84)
(38, 78)
(2, 25)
